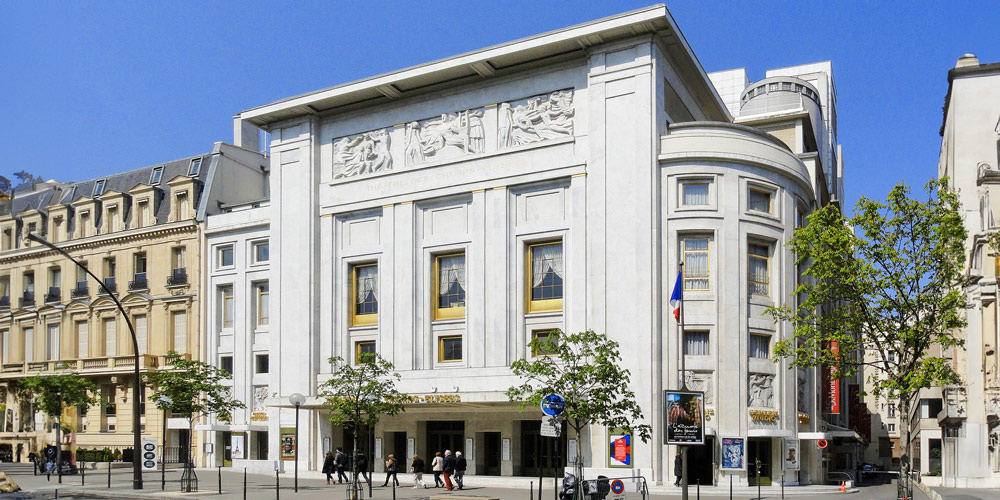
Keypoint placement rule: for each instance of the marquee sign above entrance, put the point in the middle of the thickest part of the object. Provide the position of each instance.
(435, 398)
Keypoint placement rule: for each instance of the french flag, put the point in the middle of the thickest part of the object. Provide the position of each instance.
(675, 298)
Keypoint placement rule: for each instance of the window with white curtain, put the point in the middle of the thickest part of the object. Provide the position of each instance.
(695, 250)
(6, 346)
(546, 283)
(760, 346)
(262, 291)
(110, 338)
(696, 343)
(226, 295)
(82, 340)
(29, 344)
(365, 294)
(52, 344)
(141, 333)
(760, 200)
(178, 321)
(694, 193)
(450, 284)
(758, 260)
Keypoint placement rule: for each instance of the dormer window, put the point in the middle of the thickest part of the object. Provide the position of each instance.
(155, 176)
(183, 208)
(195, 167)
(85, 223)
(99, 187)
(143, 219)
(112, 222)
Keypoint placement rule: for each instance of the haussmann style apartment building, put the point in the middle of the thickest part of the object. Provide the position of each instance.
(142, 233)
(446, 214)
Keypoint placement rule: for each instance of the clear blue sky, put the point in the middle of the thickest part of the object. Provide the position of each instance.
(94, 87)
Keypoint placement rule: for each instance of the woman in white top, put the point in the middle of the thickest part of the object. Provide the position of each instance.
(437, 465)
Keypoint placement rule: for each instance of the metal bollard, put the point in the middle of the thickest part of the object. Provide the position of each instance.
(394, 489)
(220, 479)
(277, 486)
(698, 489)
(83, 473)
(48, 475)
(531, 496)
(244, 483)
(555, 488)
(782, 485)
(109, 475)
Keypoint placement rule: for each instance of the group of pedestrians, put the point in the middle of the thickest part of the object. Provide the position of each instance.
(448, 465)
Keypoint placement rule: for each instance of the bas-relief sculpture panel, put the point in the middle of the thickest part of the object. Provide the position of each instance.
(760, 391)
(450, 135)
(700, 382)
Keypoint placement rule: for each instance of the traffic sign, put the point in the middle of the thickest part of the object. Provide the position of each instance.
(821, 443)
(617, 486)
(553, 404)
(149, 453)
(550, 427)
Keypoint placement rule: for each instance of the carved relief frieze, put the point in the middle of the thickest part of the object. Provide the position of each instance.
(535, 119)
(447, 136)
(760, 391)
(700, 382)
(360, 154)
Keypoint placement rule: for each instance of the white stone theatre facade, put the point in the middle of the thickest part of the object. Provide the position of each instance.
(446, 214)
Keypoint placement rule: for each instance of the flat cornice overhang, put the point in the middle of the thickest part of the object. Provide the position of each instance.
(497, 60)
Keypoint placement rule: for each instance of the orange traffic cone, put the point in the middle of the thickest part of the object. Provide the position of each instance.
(842, 489)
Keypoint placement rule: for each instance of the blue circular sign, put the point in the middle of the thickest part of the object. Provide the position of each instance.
(553, 405)
(617, 486)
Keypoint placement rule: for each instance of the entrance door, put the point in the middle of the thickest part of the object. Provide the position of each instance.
(183, 445)
(491, 453)
(443, 436)
(227, 449)
(759, 448)
(701, 463)
(397, 446)
(540, 455)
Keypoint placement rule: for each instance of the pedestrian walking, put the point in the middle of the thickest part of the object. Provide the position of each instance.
(437, 466)
(390, 471)
(678, 466)
(417, 468)
(460, 466)
(361, 467)
(449, 469)
(328, 466)
(340, 462)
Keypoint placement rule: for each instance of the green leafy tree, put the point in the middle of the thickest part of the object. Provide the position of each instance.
(358, 395)
(584, 368)
(53, 394)
(883, 286)
(194, 389)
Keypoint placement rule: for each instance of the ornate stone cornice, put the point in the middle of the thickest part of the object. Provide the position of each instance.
(103, 240)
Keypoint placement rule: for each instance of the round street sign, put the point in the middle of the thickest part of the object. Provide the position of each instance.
(617, 486)
(821, 443)
(553, 404)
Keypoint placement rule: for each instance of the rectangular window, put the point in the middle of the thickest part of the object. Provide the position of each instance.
(110, 338)
(758, 279)
(85, 224)
(263, 303)
(694, 193)
(450, 348)
(29, 283)
(759, 200)
(760, 346)
(361, 348)
(183, 210)
(52, 343)
(155, 176)
(178, 320)
(139, 265)
(892, 411)
(542, 336)
(225, 256)
(262, 363)
(695, 262)
(261, 251)
(226, 364)
(696, 343)
(141, 333)
(99, 188)
(545, 272)
(143, 217)
(81, 275)
(891, 428)
(112, 222)
(110, 268)
(226, 294)
(364, 294)
(55, 279)
(82, 339)
(6, 346)
(177, 257)
(449, 271)
(29, 344)
(195, 167)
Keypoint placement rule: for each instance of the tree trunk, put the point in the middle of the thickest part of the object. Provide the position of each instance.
(578, 463)
(905, 459)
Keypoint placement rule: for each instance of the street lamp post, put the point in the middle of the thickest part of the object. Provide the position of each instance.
(136, 383)
(165, 402)
(297, 400)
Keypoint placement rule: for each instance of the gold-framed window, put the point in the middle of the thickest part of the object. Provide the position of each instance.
(545, 273)
(449, 286)
(227, 306)
(364, 294)
(263, 303)
(449, 348)
(363, 347)
(541, 336)
(696, 262)
(760, 200)
(759, 261)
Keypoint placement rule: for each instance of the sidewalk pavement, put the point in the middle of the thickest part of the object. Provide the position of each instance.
(262, 487)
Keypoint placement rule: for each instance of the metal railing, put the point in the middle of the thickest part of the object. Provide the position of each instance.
(54, 295)
(177, 277)
(27, 299)
(5, 301)
(111, 284)
(103, 363)
(138, 282)
(81, 290)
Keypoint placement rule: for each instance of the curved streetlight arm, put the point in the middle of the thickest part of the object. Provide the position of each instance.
(136, 422)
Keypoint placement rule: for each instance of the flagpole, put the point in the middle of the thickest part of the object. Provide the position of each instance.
(680, 333)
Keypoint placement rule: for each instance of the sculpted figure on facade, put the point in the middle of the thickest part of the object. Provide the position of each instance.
(760, 392)
(448, 135)
(362, 154)
(259, 397)
(538, 119)
(700, 382)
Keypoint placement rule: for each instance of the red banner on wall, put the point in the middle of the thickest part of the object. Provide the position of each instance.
(833, 382)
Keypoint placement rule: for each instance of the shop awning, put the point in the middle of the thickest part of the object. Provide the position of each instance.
(778, 433)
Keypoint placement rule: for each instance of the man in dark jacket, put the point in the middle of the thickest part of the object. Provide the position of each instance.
(361, 467)
(460, 466)
(678, 469)
(340, 462)
(449, 469)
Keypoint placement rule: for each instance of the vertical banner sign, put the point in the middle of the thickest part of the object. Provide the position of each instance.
(833, 381)
(790, 454)
(619, 450)
(288, 443)
(734, 454)
(685, 417)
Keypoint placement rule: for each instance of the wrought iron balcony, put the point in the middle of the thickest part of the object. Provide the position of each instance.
(111, 284)
(81, 290)
(177, 277)
(138, 282)
(54, 295)
(27, 300)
